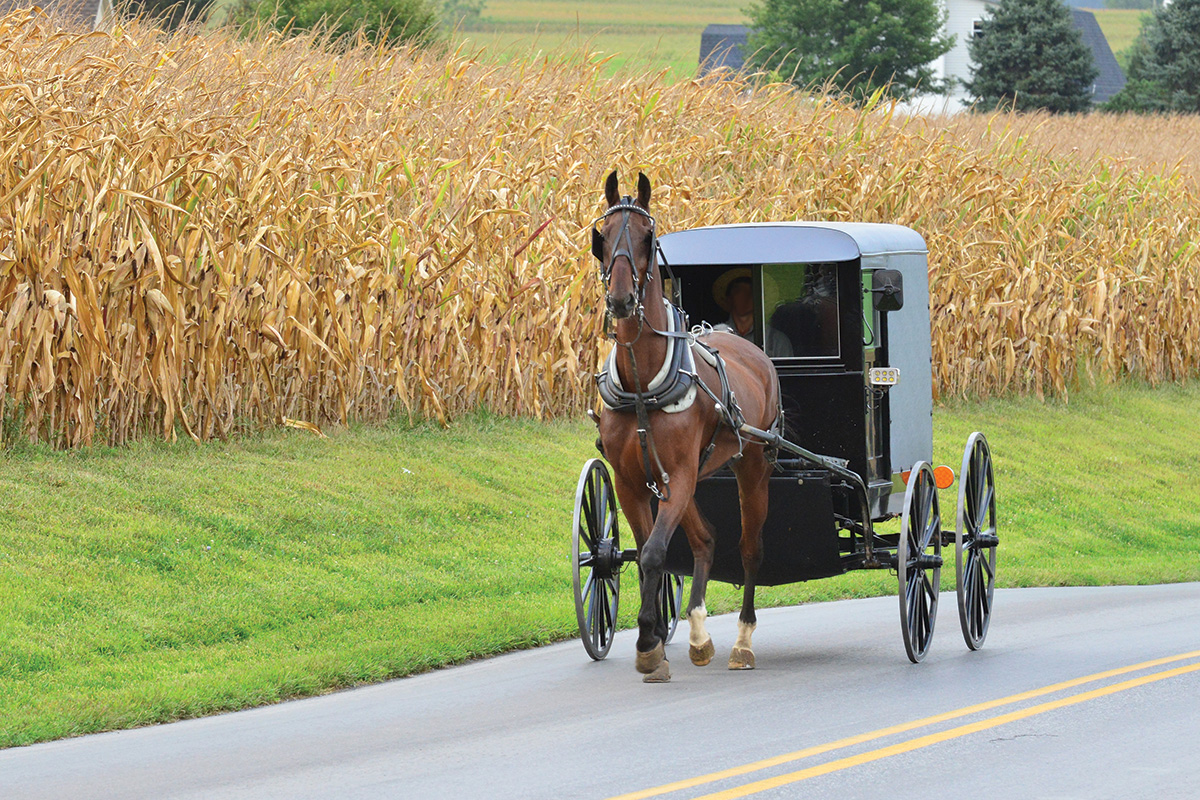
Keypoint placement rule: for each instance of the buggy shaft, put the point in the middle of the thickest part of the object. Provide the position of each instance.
(775, 440)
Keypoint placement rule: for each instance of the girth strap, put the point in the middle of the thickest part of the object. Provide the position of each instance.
(726, 405)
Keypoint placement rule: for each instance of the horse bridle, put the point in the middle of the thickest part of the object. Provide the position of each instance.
(624, 247)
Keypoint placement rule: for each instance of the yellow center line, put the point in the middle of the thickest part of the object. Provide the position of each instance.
(943, 736)
(775, 761)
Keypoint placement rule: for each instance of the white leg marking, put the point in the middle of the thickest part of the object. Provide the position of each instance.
(744, 633)
(698, 635)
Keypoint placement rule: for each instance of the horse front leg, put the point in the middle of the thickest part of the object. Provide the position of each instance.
(652, 629)
(753, 474)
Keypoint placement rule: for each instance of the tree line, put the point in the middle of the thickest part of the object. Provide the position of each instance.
(1025, 55)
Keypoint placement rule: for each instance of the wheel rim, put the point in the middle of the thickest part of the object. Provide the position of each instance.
(595, 554)
(918, 561)
(975, 541)
(670, 600)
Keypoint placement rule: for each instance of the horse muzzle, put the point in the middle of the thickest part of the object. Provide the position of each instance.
(621, 307)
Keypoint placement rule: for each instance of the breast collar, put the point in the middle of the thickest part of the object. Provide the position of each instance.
(672, 390)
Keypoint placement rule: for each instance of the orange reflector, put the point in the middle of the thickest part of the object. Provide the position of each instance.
(904, 476)
(944, 477)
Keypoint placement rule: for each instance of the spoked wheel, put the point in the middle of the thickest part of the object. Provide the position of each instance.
(919, 561)
(670, 600)
(975, 540)
(597, 557)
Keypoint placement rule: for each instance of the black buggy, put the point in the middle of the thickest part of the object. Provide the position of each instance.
(843, 311)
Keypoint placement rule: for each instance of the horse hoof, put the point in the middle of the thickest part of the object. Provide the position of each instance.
(647, 663)
(661, 673)
(741, 658)
(703, 654)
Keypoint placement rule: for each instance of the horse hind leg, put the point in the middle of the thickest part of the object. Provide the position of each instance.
(752, 473)
(703, 543)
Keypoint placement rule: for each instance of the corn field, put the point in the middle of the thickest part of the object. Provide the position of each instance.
(204, 235)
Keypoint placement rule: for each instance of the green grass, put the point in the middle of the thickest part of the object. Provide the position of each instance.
(158, 582)
(656, 34)
(1120, 26)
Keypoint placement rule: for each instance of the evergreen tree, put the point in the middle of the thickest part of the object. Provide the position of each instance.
(1139, 93)
(858, 45)
(392, 21)
(1164, 68)
(1029, 56)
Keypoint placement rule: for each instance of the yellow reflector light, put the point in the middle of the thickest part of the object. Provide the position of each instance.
(944, 477)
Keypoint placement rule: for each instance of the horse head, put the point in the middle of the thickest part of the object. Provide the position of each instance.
(624, 244)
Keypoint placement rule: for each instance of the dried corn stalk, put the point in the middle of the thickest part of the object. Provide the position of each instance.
(206, 235)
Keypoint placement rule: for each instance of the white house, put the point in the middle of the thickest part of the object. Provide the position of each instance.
(963, 20)
(722, 46)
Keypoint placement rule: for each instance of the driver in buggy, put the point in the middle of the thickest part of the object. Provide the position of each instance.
(734, 292)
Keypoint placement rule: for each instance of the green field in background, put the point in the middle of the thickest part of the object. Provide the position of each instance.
(1120, 27)
(654, 35)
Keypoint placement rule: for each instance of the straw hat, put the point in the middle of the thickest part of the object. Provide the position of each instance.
(721, 284)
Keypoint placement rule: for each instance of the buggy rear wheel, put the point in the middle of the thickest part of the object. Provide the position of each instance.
(670, 600)
(919, 561)
(975, 541)
(596, 558)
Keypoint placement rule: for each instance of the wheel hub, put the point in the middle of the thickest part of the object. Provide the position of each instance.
(607, 559)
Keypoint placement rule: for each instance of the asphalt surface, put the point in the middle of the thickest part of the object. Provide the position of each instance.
(550, 723)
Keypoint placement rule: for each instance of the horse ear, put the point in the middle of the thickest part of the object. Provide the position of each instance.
(643, 191)
(610, 189)
(597, 244)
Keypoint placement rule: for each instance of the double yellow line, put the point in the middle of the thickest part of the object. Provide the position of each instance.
(921, 741)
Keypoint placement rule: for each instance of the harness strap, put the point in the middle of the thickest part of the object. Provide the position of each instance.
(646, 439)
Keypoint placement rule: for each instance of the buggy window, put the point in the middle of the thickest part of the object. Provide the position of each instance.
(800, 310)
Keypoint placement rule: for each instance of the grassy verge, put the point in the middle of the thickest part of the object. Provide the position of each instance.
(157, 582)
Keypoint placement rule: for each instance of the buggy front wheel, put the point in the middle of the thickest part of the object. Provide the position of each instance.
(596, 559)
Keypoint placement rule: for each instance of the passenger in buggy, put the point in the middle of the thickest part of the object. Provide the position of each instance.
(734, 292)
(807, 316)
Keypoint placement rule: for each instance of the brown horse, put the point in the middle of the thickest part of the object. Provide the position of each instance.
(666, 460)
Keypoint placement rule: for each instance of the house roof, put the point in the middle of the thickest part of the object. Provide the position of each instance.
(720, 46)
(1111, 79)
(73, 13)
(723, 46)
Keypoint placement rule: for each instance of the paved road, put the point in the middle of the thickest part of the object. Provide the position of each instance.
(550, 723)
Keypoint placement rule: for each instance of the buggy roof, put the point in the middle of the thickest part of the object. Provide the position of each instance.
(790, 242)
